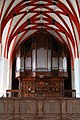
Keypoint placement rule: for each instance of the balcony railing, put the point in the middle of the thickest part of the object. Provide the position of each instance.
(69, 93)
(13, 93)
(18, 93)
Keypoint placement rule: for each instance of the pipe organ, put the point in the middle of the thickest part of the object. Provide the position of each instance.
(41, 67)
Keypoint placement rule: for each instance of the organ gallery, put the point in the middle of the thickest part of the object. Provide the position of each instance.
(41, 67)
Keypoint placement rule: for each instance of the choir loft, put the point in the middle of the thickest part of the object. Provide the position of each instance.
(41, 68)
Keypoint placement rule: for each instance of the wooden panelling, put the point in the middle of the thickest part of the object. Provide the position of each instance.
(39, 108)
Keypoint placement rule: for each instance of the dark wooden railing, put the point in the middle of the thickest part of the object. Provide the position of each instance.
(18, 93)
(13, 93)
(69, 93)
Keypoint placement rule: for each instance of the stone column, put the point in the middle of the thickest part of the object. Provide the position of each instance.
(77, 76)
(1, 82)
(72, 79)
(3, 76)
(0, 50)
(9, 75)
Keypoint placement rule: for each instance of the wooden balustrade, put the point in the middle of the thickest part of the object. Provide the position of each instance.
(69, 93)
(64, 93)
(13, 93)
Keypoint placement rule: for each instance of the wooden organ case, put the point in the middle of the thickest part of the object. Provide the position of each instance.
(42, 67)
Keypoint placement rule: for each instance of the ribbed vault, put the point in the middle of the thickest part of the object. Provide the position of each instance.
(22, 18)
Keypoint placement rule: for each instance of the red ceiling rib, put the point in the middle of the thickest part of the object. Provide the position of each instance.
(2, 8)
(18, 10)
(72, 16)
(3, 20)
(75, 40)
(6, 45)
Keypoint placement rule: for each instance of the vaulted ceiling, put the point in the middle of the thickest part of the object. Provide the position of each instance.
(22, 18)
